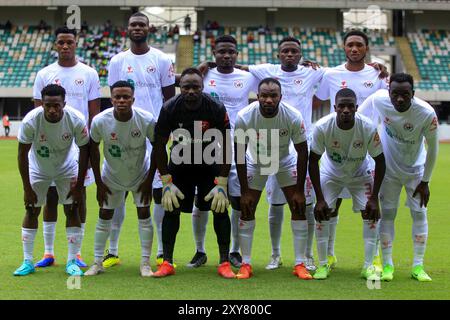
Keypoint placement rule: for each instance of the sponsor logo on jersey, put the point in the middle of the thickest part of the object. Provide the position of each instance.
(42, 138)
(66, 136)
(298, 82)
(434, 124)
(113, 136)
(212, 83)
(336, 157)
(408, 126)
(151, 69)
(283, 132)
(129, 69)
(358, 144)
(215, 95)
(79, 82)
(135, 133)
(238, 84)
(336, 144)
(343, 84)
(368, 84)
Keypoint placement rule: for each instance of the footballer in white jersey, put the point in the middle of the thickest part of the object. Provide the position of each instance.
(124, 131)
(82, 87)
(265, 129)
(406, 123)
(46, 155)
(345, 138)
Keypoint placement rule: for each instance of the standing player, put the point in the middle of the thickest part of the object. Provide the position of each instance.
(124, 130)
(405, 122)
(346, 137)
(190, 117)
(47, 154)
(151, 73)
(82, 85)
(364, 80)
(230, 86)
(269, 126)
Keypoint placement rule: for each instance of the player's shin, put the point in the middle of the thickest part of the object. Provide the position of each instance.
(116, 225)
(246, 231)
(199, 222)
(300, 236)
(387, 234)
(102, 232)
(322, 235)
(276, 215)
(370, 231)
(419, 235)
(146, 237)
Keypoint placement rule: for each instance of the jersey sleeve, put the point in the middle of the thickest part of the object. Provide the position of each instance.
(254, 82)
(114, 71)
(239, 130)
(167, 72)
(95, 130)
(298, 132)
(374, 147)
(260, 71)
(26, 133)
(318, 141)
(323, 92)
(38, 86)
(367, 109)
(162, 127)
(81, 133)
(94, 87)
(151, 128)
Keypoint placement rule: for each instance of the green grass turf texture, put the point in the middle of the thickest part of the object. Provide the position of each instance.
(124, 281)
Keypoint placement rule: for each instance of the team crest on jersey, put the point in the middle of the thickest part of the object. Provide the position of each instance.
(129, 69)
(58, 82)
(358, 144)
(79, 82)
(212, 83)
(343, 84)
(238, 84)
(42, 138)
(180, 125)
(368, 84)
(66, 136)
(298, 82)
(136, 133)
(336, 144)
(171, 71)
(284, 132)
(302, 128)
(113, 136)
(434, 124)
(151, 69)
(408, 127)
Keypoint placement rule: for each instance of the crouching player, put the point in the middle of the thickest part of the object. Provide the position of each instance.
(47, 154)
(126, 167)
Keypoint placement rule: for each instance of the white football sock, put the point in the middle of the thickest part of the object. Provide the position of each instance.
(370, 231)
(322, 236)
(116, 226)
(83, 226)
(246, 231)
(332, 235)
(300, 237)
(74, 242)
(158, 216)
(28, 236)
(276, 215)
(311, 227)
(387, 234)
(102, 231)
(199, 222)
(234, 219)
(49, 237)
(419, 235)
(146, 237)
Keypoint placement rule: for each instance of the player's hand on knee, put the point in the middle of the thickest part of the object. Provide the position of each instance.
(102, 193)
(29, 197)
(299, 203)
(247, 205)
(321, 211)
(146, 190)
(170, 194)
(424, 192)
(372, 209)
(219, 195)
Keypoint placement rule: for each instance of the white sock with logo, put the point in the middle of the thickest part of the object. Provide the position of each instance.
(28, 236)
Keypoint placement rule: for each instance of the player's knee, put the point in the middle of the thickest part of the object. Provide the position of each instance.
(143, 212)
(157, 195)
(106, 214)
(298, 216)
(388, 214)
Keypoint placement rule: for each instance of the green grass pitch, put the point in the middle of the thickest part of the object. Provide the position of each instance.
(124, 281)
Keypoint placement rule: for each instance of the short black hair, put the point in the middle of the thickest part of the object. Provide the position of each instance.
(53, 90)
(139, 14)
(359, 33)
(289, 39)
(191, 70)
(345, 93)
(269, 81)
(226, 38)
(64, 29)
(122, 84)
(402, 77)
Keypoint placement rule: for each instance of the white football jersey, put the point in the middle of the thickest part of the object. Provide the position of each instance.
(124, 147)
(232, 89)
(363, 83)
(285, 128)
(297, 87)
(148, 72)
(345, 150)
(402, 133)
(81, 83)
(53, 153)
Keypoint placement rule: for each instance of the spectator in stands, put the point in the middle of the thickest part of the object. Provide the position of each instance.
(196, 36)
(261, 29)
(43, 26)
(8, 25)
(215, 25)
(208, 25)
(84, 27)
(6, 124)
(176, 30)
(250, 37)
(152, 29)
(187, 24)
